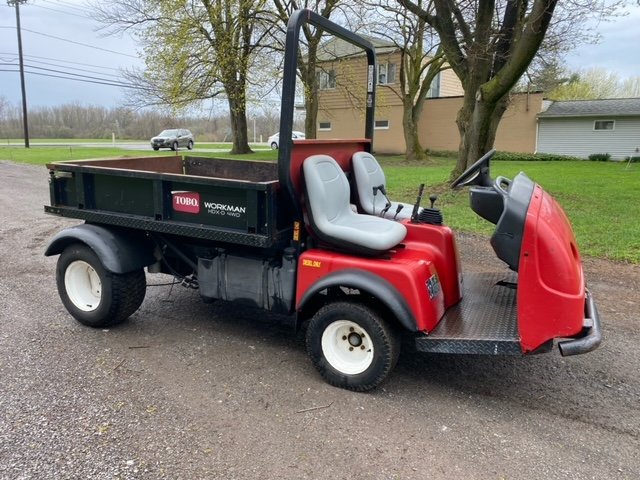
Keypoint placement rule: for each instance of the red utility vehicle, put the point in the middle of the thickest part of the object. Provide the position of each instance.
(316, 238)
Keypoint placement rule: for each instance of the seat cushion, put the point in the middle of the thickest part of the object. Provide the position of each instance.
(332, 218)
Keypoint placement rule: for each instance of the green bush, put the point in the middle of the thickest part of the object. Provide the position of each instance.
(532, 157)
(600, 157)
(632, 159)
(511, 156)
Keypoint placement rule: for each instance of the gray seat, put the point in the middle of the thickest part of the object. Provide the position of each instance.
(368, 174)
(331, 217)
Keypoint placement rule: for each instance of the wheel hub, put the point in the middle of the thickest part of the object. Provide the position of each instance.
(347, 348)
(355, 340)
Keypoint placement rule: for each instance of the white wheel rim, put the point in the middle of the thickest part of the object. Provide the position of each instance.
(83, 285)
(343, 350)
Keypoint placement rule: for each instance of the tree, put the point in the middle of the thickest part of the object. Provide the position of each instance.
(595, 83)
(194, 51)
(307, 60)
(489, 45)
(421, 59)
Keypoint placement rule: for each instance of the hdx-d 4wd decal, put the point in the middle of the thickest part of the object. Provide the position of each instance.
(215, 208)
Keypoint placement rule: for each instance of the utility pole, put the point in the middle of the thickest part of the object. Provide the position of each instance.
(16, 3)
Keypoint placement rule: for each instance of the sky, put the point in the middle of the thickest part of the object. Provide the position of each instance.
(70, 21)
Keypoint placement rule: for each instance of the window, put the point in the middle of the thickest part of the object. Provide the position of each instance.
(604, 125)
(434, 89)
(381, 125)
(324, 126)
(386, 73)
(327, 79)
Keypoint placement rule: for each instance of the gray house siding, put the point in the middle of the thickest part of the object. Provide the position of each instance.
(577, 137)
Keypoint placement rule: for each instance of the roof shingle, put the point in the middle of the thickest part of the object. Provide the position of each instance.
(618, 107)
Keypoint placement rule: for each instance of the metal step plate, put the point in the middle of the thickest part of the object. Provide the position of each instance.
(484, 322)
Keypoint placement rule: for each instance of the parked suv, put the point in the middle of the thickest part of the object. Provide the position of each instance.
(173, 139)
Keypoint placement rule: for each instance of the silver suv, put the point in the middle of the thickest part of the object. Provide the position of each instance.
(173, 139)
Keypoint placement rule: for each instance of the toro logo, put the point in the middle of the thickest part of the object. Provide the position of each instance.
(186, 202)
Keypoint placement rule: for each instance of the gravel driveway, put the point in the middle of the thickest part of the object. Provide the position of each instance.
(186, 390)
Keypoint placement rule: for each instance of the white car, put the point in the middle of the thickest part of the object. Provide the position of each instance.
(274, 140)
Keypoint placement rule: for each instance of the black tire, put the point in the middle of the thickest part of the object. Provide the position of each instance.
(156, 148)
(174, 146)
(190, 145)
(115, 298)
(274, 146)
(358, 320)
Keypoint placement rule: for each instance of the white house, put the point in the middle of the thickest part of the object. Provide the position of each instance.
(583, 127)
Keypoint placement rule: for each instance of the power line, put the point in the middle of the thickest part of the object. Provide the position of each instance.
(118, 81)
(60, 11)
(120, 85)
(62, 3)
(72, 41)
(65, 66)
(64, 61)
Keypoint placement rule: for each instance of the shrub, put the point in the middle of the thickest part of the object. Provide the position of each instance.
(600, 157)
(632, 159)
(512, 156)
(532, 157)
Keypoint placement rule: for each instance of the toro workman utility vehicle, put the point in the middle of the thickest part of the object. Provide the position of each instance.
(316, 238)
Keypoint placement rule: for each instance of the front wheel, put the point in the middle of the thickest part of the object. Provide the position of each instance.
(190, 145)
(352, 346)
(174, 146)
(156, 148)
(93, 295)
(274, 146)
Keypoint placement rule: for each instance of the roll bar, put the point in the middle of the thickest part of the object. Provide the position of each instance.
(297, 19)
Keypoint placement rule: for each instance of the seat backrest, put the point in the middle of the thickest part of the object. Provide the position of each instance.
(327, 189)
(368, 174)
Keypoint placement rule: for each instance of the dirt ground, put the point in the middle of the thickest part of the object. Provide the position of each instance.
(186, 390)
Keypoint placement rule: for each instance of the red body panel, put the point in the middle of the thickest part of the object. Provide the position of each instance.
(551, 290)
(340, 150)
(438, 244)
(407, 269)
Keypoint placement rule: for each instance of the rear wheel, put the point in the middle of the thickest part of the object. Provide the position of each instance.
(93, 295)
(274, 146)
(352, 346)
(156, 148)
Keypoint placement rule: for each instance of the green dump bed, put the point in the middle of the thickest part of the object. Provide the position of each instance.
(229, 201)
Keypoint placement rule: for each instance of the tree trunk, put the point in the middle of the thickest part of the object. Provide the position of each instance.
(238, 114)
(477, 122)
(414, 150)
(311, 102)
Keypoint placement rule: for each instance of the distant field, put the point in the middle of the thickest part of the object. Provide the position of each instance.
(600, 198)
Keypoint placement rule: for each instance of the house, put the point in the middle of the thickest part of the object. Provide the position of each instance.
(341, 98)
(341, 93)
(584, 127)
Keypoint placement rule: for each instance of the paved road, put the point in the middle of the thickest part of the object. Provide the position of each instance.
(186, 390)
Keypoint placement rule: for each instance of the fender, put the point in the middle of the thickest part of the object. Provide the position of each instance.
(120, 251)
(370, 283)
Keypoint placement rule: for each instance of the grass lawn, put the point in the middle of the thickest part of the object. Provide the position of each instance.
(42, 155)
(600, 198)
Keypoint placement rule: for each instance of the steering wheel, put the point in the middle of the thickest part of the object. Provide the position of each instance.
(476, 174)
